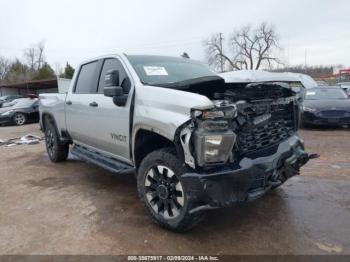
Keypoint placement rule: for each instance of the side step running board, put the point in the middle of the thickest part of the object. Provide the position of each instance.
(105, 162)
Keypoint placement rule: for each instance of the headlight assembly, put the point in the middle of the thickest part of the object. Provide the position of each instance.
(212, 148)
(208, 114)
(213, 140)
(228, 111)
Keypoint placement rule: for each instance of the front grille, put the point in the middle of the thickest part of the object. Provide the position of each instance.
(332, 113)
(279, 127)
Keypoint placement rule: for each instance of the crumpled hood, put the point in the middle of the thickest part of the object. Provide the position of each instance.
(335, 104)
(171, 99)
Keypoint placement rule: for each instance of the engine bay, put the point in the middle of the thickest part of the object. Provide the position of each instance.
(259, 115)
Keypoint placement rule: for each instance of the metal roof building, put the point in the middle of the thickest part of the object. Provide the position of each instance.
(33, 87)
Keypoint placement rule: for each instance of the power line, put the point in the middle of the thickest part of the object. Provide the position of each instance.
(158, 44)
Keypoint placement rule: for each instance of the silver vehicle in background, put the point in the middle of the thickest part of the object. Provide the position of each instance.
(345, 86)
(194, 141)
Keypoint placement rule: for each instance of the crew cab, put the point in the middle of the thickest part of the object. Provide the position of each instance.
(194, 142)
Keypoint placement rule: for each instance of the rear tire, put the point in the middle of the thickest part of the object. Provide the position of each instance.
(161, 190)
(19, 119)
(56, 150)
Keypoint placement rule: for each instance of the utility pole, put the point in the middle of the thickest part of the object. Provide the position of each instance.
(305, 58)
(221, 51)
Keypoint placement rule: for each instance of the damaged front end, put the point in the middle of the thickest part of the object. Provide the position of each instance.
(242, 146)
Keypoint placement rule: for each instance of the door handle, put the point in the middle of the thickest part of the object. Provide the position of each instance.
(93, 104)
(69, 102)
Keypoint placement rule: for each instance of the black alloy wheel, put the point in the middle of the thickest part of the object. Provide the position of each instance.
(164, 191)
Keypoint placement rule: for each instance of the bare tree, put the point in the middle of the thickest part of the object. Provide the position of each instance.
(4, 68)
(215, 54)
(30, 56)
(35, 56)
(40, 54)
(249, 49)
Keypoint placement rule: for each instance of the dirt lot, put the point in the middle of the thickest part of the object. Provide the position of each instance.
(77, 208)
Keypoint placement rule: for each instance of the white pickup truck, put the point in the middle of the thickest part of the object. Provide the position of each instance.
(194, 141)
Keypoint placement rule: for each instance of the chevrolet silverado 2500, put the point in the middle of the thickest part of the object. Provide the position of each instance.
(195, 142)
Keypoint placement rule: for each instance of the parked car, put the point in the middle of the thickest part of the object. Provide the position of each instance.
(195, 142)
(345, 86)
(321, 83)
(9, 98)
(326, 106)
(20, 111)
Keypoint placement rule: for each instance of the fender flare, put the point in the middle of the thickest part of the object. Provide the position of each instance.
(52, 118)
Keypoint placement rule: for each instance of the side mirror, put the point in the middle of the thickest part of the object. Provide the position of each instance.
(112, 78)
(112, 88)
(112, 91)
(120, 100)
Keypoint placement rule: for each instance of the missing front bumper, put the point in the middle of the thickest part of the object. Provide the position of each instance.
(248, 180)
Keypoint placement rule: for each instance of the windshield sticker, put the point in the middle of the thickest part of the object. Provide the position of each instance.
(155, 71)
(310, 93)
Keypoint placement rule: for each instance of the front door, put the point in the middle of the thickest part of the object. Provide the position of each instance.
(92, 118)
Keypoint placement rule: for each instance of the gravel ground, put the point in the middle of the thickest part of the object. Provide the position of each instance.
(77, 208)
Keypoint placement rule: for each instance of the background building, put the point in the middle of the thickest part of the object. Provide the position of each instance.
(35, 87)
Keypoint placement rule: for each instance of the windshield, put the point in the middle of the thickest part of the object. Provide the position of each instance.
(325, 93)
(163, 70)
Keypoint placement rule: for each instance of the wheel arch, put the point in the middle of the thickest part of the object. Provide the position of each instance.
(63, 135)
(45, 116)
(147, 141)
(20, 112)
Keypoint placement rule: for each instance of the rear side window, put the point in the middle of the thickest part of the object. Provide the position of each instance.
(86, 82)
(112, 64)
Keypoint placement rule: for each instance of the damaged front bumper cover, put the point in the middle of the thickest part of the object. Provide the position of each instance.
(248, 180)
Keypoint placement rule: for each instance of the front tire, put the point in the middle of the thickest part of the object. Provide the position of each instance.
(160, 187)
(56, 150)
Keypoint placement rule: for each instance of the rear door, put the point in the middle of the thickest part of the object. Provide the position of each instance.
(79, 114)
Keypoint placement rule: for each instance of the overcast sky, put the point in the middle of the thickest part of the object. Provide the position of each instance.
(81, 29)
